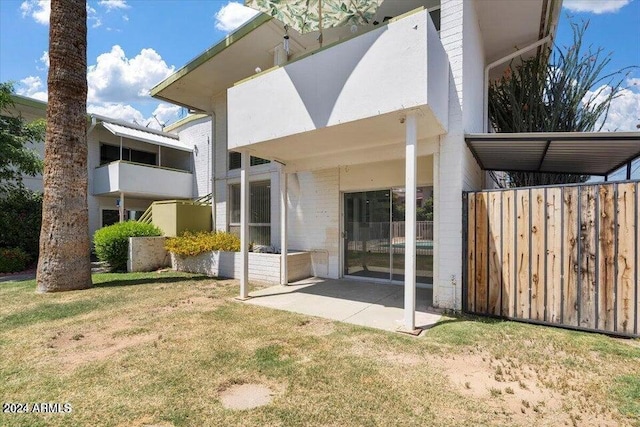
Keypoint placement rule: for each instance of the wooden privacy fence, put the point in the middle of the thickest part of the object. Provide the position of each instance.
(561, 255)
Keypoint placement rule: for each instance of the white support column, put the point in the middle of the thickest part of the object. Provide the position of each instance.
(284, 270)
(244, 226)
(411, 160)
(121, 207)
(436, 225)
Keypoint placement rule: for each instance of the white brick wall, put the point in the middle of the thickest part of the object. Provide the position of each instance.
(457, 169)
(314, 218)
(198, 134)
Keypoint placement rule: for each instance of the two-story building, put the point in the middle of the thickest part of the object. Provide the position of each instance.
(362, 135)
(130, 166)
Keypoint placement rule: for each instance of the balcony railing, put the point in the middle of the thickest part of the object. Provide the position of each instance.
(397, 67)
(141, 180)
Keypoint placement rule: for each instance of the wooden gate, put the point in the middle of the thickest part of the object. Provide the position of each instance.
(562, 255)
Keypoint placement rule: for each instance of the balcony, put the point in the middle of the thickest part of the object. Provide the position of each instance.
(347, 97)
(139, 180)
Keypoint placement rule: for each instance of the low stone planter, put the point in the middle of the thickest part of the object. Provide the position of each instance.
(263, 268)
(147, 254)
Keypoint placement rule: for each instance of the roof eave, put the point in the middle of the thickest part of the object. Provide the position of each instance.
(207, 55)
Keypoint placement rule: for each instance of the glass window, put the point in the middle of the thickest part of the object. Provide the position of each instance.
(259, 211)
(111, 153)
(235, 161)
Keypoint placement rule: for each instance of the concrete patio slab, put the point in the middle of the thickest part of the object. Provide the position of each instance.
(361, 303)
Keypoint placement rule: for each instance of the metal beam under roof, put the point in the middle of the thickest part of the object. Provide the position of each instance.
(583, 153)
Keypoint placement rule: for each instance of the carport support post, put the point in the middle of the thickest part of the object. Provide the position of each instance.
(244, 226)
(284, 271)
(411, 128)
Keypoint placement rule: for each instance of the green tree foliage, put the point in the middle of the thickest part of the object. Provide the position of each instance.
(563, 90)
(16, 159)
(20, 221)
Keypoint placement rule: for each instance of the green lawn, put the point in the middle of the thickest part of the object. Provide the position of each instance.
(159, 348)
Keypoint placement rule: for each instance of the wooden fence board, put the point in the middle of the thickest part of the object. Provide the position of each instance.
(565, 255)
(508, 253)
(522, 254)
(570, 256)
(607, 261)
(554, 255)
(471, 253)
(587, 259)
(482, 265)
(626, 258)
(538, 254)
(495, 252)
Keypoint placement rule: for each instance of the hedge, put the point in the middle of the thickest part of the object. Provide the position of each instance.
(192, 244)
(111, 243)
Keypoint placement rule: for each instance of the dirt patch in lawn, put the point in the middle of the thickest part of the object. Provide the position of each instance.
(521, 394)
(317, 327)
(77, 347)
(517, 394)
(199, 302)
(246, 396)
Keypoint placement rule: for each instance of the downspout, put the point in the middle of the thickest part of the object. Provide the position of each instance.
(498, 62)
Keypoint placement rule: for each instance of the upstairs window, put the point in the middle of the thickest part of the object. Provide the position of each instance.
(111, 153)
(235, 161)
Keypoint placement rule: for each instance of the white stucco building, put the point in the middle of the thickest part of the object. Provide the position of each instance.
(358, 133)
(129, 166)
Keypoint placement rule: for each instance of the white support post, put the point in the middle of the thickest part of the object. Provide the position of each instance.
(244, 226)
(284, 270)
(121, 207)
(410, 222)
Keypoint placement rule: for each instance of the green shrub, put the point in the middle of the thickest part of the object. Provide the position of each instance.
(112, 242)
(192, 244)
(13, 259)
(20, 221)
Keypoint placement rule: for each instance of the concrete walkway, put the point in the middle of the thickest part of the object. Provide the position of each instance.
(361, 303)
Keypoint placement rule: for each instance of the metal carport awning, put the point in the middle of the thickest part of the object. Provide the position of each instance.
(584, 153)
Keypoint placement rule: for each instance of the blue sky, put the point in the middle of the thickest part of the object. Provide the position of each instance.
(134, 44)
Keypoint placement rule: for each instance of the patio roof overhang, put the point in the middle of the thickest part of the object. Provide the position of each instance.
(583, 153)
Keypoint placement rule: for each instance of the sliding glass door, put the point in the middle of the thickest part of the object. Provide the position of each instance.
(374, 242)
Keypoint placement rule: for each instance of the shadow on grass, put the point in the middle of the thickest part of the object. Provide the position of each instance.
(149, 280)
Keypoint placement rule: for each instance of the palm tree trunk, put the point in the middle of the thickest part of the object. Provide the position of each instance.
(64, 262)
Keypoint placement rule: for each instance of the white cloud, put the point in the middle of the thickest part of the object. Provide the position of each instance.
(117, 110)
(45, 58)
(595, 6)
(116, 78)
(125, 17)
(32, 87)
(93, 18)
(634, 81)
(166, 113)
(114, 4)
(232, 15)
(624, 113)
(39, 10)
